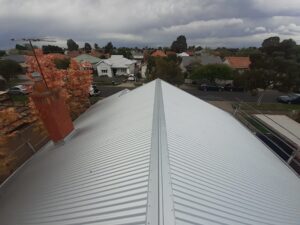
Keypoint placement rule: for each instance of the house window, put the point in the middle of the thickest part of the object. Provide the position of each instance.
(123, 70)
(104, 71)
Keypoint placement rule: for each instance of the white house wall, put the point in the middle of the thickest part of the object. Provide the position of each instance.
(104, 66)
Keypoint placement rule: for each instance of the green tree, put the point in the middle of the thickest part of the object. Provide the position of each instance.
(52, 49)
(278, 64)
(126, 52)
(20, 47)
(2, 53)
(9, 69)
(109, 48)
(167, 70)
(179, 45)
(212, 72)
(96, 46)
(87, 47)
(62, 64)
(72, 45)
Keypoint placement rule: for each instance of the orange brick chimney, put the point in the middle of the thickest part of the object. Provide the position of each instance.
(52, 111)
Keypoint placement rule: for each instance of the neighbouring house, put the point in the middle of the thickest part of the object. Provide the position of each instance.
(138, 57)
(154, 155)
(72, 54)
(238, 63)
(21, 59)
(158, 53)
(186, 61)
(203, 59)
(116, 65)
(85, 58)
(208, 59)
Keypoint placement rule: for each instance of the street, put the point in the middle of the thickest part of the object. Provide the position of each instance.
(269, 95)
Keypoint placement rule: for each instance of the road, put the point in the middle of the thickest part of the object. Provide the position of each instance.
(269, 96)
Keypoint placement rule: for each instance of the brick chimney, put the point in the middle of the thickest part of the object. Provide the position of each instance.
(52, 111)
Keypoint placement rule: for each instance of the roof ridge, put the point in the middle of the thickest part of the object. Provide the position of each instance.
(160, 205)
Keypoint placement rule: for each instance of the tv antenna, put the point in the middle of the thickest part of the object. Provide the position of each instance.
(30, 40)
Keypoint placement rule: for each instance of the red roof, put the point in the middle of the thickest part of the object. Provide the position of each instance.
(159, 53)
(238, 62)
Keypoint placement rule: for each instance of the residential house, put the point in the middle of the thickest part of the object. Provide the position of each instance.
(208, 59)
(21, 59)
(116, 65)
(159, 53)
(153, 155)
(203, 59)
(240, 64)
(85, 58)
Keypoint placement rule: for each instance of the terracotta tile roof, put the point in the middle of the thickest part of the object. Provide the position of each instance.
(159, 53)
(238, 62)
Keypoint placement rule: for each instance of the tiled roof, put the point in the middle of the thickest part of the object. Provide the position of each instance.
(158, 53)
(87, 58)
(238, 62)
(16, 58)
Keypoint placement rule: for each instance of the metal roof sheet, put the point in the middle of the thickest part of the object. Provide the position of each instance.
(155, 155)
(283, 125)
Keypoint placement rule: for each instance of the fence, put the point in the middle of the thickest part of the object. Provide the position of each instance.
(20, 148)
(288, 152)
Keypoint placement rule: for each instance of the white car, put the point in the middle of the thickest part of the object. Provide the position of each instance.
(131, 78)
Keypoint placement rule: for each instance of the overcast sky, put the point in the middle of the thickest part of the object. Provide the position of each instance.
(212, 23)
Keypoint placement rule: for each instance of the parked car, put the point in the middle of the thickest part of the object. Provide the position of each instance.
(292, 98)
(210, 87)
(94, 91)
(131, 78)
(230, 87)
(19, 90)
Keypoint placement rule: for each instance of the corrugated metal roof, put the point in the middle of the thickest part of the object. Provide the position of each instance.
(283, 125)
(220, 172)
(155, 155)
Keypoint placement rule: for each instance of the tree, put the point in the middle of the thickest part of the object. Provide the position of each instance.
(52, 49)
(2, 53)
(109, 48)
(179, 45)
(96, 46)
(62, 63)
(9, 69)
(72, 45)
(270, 45)
(74, 82)
(126, 52)
(167, 70)
(278, 64)
(87, 47)
(20, 47)
(212, 72)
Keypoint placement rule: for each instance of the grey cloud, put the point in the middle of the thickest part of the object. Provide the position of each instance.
(157, 22)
